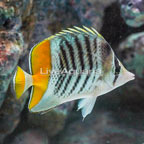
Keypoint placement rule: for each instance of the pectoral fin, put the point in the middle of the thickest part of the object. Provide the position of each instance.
(86, 105)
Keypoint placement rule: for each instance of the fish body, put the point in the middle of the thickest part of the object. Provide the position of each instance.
(132, 12)
(77, 63)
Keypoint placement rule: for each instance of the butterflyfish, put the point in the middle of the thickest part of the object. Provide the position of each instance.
(77, 63)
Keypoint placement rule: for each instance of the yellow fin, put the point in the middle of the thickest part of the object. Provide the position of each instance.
(74, 30)
(62, 33)
(81, 29)
(97, 32)
(21, 82)
(40, 66)
(88, 29)
(51, 37)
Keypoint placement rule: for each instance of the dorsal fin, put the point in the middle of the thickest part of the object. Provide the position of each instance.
(77, 30)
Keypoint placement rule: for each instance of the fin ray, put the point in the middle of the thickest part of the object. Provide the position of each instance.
(21, 82)
(86, 105)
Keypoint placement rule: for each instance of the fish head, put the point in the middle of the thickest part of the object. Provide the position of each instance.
(123, 77)
(117, 76)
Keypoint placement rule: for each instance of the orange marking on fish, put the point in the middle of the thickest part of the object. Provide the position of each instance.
(40, 59)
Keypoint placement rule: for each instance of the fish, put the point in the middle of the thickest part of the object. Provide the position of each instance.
(132, 12)
(74, 64)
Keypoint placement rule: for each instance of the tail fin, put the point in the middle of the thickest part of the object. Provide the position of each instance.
(21, 82)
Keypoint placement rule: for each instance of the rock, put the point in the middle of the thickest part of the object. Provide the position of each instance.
(8, 20)
(91, 12)
(101, 127)
(52, 121)
(53, 16)
(33, 136)
(10, 113)
(17, 16)
(11, 46)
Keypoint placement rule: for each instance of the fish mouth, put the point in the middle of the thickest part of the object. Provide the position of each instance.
(132, 76)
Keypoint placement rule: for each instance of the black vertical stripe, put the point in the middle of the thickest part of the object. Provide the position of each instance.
(80, 52)
(95, 49)
(87, 42)
(75, 84)
(66, 84)
(115, 78)
(61, 69)
(63, 61)
(80, 56)
(95, 46)
(63, 76)
(84, 84)
(71, 52)
(117, 66)
(93, 79)
(117, 70)
(63, 53)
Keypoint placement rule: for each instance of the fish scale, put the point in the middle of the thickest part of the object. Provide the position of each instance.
(78, 77)
(88, 65)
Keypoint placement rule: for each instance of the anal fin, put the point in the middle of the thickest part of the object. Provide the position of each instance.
(86, 105)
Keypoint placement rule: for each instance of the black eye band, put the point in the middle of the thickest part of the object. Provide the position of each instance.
(117, 69)
(117, 66)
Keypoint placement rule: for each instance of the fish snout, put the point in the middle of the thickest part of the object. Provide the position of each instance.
(129, 76)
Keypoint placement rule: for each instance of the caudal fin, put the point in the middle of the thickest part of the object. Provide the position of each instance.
(21, 82)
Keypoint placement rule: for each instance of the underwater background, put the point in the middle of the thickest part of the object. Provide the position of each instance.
(118, 117)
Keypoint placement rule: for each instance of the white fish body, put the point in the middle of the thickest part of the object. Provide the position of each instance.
(96, 70)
